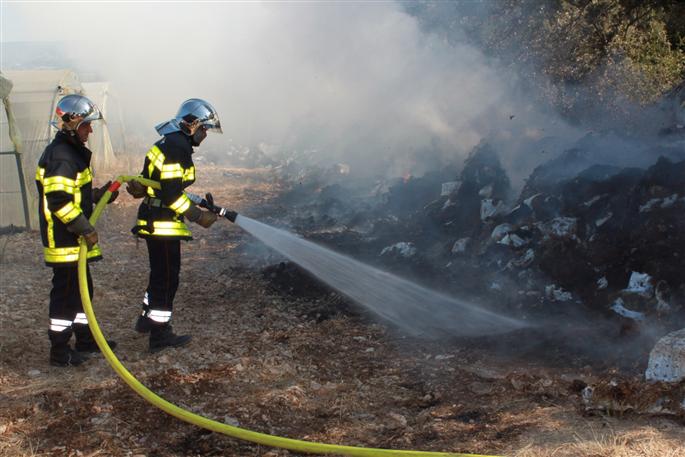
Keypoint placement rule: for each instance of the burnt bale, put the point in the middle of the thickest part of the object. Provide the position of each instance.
(407, 196)
(625, 220)
(546, 177)
(482, 178)
(289, 279)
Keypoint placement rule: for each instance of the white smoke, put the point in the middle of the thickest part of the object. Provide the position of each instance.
(357, 83)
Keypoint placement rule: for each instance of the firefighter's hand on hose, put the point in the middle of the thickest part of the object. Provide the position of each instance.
(100, 191)
(206, 219)
(91, 239)
(81, 226)
(136, 189)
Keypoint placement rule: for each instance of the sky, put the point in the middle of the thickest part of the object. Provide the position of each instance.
(351, 82)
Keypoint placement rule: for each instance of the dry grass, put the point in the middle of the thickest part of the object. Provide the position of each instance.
(643, 443)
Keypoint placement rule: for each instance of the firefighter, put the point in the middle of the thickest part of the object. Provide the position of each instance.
(66, 197)
(162, 213)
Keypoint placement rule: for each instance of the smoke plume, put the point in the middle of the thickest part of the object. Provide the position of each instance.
(361, 84)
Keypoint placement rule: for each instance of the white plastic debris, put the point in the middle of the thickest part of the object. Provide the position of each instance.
(460, 245)
(529, 201)
(486, 192)
(524, 261)
(403, 248)
(587, 394)
(602, 283)
(640, 283)
(592, 201)
(556, 293)
(501, 230)
(513, 240)
(667, 359)
(560, 227)
(669, 201)
(599, 222)
(649, 205)
(495, 286)
(490, 209)
(450, 187)
(447, 204)
(619, 308)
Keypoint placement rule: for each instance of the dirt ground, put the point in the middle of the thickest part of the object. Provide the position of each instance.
(272, 363)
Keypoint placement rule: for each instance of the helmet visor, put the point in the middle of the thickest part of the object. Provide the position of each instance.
(213, 124)
(197, 111)
(73, 110)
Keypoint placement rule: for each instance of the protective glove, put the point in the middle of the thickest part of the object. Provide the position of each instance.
(91, 239)
(98, 192)
(81, 226)
(136, 189)
(206, 219)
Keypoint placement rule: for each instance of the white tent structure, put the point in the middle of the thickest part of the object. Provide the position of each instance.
(32, 99)
(100, 141)
(13, 194)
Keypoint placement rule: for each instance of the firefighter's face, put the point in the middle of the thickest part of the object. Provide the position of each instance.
(83, 131)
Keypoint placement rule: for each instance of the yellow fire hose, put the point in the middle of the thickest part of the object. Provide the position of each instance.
(200, 421)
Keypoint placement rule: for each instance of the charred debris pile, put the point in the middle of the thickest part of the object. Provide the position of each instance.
(582, 239)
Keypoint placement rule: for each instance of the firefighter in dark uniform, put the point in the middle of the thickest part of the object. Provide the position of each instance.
(162, 214)
(66, 197)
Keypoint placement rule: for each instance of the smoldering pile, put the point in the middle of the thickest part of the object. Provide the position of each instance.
(583, 238)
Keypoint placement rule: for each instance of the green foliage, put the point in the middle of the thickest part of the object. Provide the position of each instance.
(604, 53)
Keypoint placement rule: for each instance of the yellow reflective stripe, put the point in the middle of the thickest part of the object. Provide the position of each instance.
(181, 205)
(156, 157)
(40, 172)
(57, 183)
(164, 228)
(189, 174)
(51, 224)
(171, 171)
(68, 213)
(84, 178)
(69, 254)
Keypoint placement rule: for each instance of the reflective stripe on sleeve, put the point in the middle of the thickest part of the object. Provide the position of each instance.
(84, 177)
(70, 254)
(159, 316)
(81, 319)
(59, 325)
(58, 183)
(181, 204)
(189, 174)
(68, 213)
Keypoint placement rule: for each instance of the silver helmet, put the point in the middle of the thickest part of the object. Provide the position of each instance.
(192, 114)
(73, 110)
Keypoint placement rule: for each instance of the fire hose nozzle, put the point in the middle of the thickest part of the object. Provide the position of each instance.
(208, 203)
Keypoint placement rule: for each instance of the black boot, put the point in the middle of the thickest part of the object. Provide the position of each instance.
(143, 324)
(162, 337)
(64, 355)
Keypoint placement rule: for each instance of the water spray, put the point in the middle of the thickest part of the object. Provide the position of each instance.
(415, 309)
